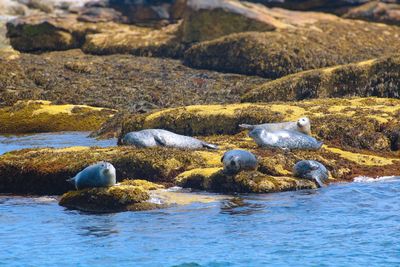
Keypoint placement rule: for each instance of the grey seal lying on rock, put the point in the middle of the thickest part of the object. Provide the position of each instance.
(302, 125)
(284, 139)
(312, 170)
(101, 174)
(159, 137)
(238, 160)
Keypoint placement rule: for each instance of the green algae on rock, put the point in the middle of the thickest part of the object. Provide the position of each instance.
(42, 116)
(112, 199)
(360, 123)
(324, 43)
(377, 77)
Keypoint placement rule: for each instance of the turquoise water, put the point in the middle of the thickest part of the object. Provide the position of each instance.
(353, 224)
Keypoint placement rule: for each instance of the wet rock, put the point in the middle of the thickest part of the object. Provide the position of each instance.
(323, 41)
(123, 197)
(377, 77)
(71, 77)
(210, 19)
(357, 123)
(377, 11)
(149, 11)
(43, 116)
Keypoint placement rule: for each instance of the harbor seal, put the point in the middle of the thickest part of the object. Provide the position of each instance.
(312, 170)
(238, 160)
(302, 125)
(159, 137)
(101, 174)
(284, 139)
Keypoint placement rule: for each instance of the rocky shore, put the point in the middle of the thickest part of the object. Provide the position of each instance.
(198, 68)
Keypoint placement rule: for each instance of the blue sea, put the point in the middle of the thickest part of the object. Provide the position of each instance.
(353, 224)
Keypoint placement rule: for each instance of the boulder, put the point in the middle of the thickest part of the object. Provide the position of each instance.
(377, 11)
(42, 116)
(319, 41)
(149, 11)
(377, 77)
(99, 14)
(209, 19)
(357, 123)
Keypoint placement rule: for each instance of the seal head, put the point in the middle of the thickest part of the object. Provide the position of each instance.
(101, 174)
(312, 170)
(238, 160)
(302, 125)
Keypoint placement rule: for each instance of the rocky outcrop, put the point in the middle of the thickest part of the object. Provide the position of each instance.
(377, 77)
(359, 123)
(143, 84)
(122, 197)
(377, 11)
(43, 116)
(317, 43)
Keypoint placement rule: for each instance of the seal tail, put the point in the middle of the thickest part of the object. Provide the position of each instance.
(319, 182)
(210, 146)
(246, 126)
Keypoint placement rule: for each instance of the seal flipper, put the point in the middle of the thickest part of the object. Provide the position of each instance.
(247, 126)
(319, 182)
(160, 141)
(210, 146)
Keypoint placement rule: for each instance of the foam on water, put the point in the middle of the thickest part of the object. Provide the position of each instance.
(366, 179)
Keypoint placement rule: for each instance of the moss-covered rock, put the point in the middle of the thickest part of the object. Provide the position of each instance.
(112, 199)
(378, 77)
(44, 171)
(141, 41)
(206, 20)
(43, 116)
(363, 123)
(142, 83)
(321, 43)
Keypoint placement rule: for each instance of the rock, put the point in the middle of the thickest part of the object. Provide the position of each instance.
(358, 123)
(43, 116)
(100, 14)
(209, 19)
(149, 11)
(377, 77)
(71, 77)
(135, 40)
(123, 197)
(45, 6)
(12, 8)
(376, 11)
(323, 41)
(244, 182)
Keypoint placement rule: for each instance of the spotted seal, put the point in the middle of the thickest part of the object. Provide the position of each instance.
(284, 139)
(238, 160)
(159, 137)
(312, 170)
(302, 125)
(101, 174)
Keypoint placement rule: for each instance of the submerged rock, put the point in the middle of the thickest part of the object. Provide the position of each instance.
(377, 77)
(320, 41)
(361, 123)
(37, 116)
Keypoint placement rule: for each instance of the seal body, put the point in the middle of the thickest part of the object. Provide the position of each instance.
(312, 170)
(238, 160)
(101, 174)
(284, 139)
(159, 137)
(302, 125)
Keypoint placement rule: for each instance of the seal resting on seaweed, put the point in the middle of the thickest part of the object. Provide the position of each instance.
(159, 137)
(101, 174)
(302, 125)
(238, 160)
(284, 139)
(312, 170)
